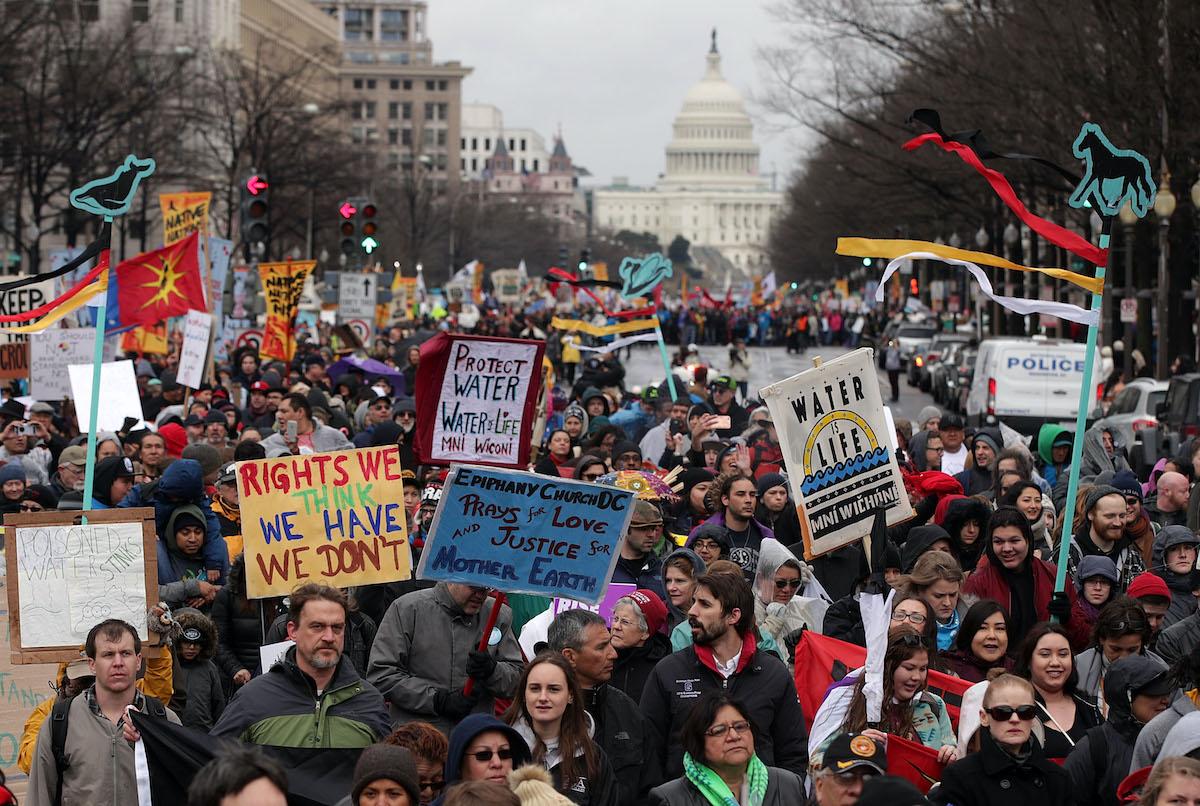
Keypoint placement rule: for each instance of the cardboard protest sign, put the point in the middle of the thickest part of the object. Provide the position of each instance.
(476, 400)
(183, 214)
(282, 284)
(837, 451)
(65, 577)
(520, 532)
(49, 352)
(336, 518)
(24, 298)
(192, 355)
(14, 360)
(120, 398)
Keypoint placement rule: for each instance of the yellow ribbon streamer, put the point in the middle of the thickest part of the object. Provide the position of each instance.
(888, 249)
(97, 286)
(603, 330)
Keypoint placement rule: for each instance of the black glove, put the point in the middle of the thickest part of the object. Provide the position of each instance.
(1060, 607)
(480, 665)
(454, 704)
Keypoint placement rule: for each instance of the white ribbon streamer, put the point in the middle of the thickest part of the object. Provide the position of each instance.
(1025, 307)
(141, 772)
(619, 343)
(876, 618)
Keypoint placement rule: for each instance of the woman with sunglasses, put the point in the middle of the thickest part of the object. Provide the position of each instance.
(981, 644)
(549, 714)
(788, 596)
(719, 761)
(482, 748)
(589, 468)
(1010, 766)
(1045, 660)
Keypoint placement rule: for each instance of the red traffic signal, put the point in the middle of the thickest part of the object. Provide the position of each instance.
(257, 209)
(369, 228)
(368, 211)
(347, 210)
(256, 184)
(913, 288)
(347, 228)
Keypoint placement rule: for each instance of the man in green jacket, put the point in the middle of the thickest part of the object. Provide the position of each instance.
(277, 708)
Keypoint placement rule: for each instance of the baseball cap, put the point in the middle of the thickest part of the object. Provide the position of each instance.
(41, 408)
(214, 416)
(650, 394)
(652, 607)
(228, 474)
(77, 669)
(191, 634)
(723, 382)
(73, 455)
(851, 750)
(890, 790)
(951, 422)
(260, 386)
(193, 420)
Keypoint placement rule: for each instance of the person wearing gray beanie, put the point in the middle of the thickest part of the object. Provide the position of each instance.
(1102, 532)
(383, 769)
(928, 418)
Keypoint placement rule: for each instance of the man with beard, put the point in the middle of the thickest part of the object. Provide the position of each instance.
(1103, 533)
(277, 708)
(725, 657)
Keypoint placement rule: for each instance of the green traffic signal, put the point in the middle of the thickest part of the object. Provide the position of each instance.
(369, 244)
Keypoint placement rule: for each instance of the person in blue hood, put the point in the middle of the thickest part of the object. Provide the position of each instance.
(482, 748)
(183, 483)
(182, 577)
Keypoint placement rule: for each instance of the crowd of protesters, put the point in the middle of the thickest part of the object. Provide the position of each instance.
(687, 693)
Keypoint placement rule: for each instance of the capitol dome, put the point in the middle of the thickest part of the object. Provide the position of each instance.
(713, 138)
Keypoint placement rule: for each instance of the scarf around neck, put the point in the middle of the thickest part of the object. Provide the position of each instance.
(946, 632)
(716, 792)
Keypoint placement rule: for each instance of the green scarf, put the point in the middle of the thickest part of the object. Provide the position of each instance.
(714, 789)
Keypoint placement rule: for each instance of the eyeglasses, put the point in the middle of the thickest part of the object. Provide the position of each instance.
(915, 618)
(850, 776)
(780, 584)
(624, 622)
(435, 786)
(706, 545)
(1003, 713)
(484, 756)
(741, 726)
(936, 450)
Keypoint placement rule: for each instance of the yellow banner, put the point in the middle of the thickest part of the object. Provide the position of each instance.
(600, 270)
(282, 285)
(477, 284)
(888, 249)
(603, 330)
(183, 214)
(335, 518)
(151, 339)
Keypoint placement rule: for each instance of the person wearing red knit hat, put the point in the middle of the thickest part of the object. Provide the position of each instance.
(175, 438)
(637, 623)
(1155, 598)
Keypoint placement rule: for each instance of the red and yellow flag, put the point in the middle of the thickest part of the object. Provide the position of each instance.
(283, 284)
(157, 285)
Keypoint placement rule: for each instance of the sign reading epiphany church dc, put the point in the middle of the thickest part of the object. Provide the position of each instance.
(837, 449)
(476, 400)
(521, 532)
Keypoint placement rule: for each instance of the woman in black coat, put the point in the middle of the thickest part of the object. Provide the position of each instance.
(1010, 766)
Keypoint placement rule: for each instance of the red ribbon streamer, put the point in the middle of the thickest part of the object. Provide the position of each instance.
(42, 310)
(1047, 229)
(573, 281)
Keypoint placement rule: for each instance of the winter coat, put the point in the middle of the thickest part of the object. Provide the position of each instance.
(584, 790)
(1183, 739)
(843, 621)
(919, 541)
(629, 740)
(183, 483)
(807, 606)
(1183, 603)
(761, 682)
(1095, 459)
(837, 571)
(784, 788)
(240, 624)
(359, 635)
(324, 439)
(179, 575)
(970, 667)
(1091, 666)
(199, 694)
(1150, 739)
(421, 647)
(634, 664)
(989, 582)
(993, 776)
(952, 514)
(1179, 639)
(281, 707)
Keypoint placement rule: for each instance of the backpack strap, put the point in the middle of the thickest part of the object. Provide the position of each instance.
(59, 722)
(155, 708)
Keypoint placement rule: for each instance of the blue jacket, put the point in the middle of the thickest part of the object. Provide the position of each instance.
(182, 483)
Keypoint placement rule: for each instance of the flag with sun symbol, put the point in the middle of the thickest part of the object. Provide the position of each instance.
(157, 285)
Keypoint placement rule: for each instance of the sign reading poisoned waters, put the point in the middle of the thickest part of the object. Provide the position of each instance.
(838, 451)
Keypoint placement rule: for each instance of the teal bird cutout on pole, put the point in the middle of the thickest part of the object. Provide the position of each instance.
(111, 196)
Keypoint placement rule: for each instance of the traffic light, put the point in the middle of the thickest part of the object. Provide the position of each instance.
(369, 227)
(562, 257)
(358, 226)
(867, 262)
(256, 210)
(585, 259)
(913, 287)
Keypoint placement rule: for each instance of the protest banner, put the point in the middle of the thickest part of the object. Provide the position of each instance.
(534, 631)
(64, 577)
(196, 329)
(837, 450)
(14, 360)
(146, 340)
(520, 532)
(25, 298)
(49, 352)
(323, 517)
(220, 253)
(183, 214)
(476, 400)
(282, 285)
(356, 297)
(119, 401)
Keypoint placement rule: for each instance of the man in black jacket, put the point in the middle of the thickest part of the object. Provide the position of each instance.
(725, 657)
(628, 739)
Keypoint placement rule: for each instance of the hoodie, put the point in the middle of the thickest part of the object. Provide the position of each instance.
(1047, 436)
(1183, 739)
(179, 574)
(952, 514)
(578, 411)
(183, 482)
(1093, 566)
(919, 542)
(674, 614)
(1183, 603)
(466, 731)
(805, 609)
(1095, 459)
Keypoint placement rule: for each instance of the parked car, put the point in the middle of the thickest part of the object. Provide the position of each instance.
(1180, 410)
(962, 381)
(1135, 408)
(923, 360)
(914, 337)
(941, 371)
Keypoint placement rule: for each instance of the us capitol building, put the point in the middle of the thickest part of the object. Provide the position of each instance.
(712, 192)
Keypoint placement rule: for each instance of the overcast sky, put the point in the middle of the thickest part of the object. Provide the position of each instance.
(612, 72)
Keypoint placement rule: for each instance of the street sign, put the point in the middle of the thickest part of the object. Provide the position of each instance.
(1129, 311)
(356, 296)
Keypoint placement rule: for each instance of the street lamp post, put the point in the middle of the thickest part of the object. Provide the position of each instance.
(1164, 208)
(1129, 220)
(1196, 289)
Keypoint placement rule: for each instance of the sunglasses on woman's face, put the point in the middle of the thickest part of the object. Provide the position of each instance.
(484, 756)
(1003, 713)
(591, 476)
(29, 506)
(780, 584)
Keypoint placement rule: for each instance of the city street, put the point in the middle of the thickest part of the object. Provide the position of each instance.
(768, 364)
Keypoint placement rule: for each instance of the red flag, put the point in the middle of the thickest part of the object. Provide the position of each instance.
(821, 661)
(914, 762)
(157, 285)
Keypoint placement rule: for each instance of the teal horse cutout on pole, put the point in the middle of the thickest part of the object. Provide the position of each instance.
(1112, 177)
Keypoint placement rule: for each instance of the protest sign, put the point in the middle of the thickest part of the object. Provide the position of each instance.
(20, 300)
(323, 517)
(520, 532)
(183, 214)
(534, 631)
(220, 252)
(14, 360)
(119, 401)
(356, 297)
(282, 284)
(49, 352)
(196, 329)
(837, 451)
(476, 400)
(404, 295)
(65, 577)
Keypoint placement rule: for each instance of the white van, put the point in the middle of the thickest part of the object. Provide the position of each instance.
(1025, 382)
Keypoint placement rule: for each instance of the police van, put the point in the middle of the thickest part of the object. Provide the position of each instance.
(1025, 382)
